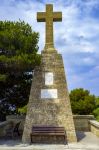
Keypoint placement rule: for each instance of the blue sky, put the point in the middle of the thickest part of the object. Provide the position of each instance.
(76, 37)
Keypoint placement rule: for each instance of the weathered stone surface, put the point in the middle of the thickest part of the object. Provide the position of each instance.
(82, 122)
(56, 109)
(55, 112)
(49, 17)
(94, 127)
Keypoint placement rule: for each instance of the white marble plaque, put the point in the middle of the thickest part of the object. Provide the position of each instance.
(49, 78)
(49, 93)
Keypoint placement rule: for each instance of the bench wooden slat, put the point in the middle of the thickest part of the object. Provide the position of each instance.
(48, 130)
(48, 134)
(47, 126)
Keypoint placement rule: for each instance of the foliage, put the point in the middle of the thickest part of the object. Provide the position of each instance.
(2, 77)
(97, 101)
(96, 113)
(18, 58)
(22, 110)
(82, 102)
(18, 46)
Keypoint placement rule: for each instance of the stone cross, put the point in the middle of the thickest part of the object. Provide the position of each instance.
(49, 17)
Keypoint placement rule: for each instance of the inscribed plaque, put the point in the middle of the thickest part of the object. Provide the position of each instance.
(49, 78)
(49, 93)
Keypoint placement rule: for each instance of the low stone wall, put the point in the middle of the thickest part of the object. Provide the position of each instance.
(16, 119)
(3, 126)
(8, 123)
(82, 122)
(94, 127)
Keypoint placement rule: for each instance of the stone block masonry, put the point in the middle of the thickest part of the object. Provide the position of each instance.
(94, 127)
(49, 111)
(49, 103)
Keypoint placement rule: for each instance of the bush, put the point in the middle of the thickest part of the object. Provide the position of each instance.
(96, 113)
(82, 102)
(22, 110)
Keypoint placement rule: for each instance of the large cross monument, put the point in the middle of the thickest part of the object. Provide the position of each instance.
(49, 103)
(49, 16)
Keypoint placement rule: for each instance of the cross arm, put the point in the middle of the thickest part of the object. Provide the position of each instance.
(41, 16)
(57, 16)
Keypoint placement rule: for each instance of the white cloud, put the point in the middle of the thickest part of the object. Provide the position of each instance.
(75, 36)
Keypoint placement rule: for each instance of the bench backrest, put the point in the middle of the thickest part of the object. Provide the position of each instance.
(48, 128)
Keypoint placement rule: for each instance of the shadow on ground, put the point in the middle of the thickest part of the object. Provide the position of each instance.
(80, 135)
(10, 142)
(7, 141)
(84, 138)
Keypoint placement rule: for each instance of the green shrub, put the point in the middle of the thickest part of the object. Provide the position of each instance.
(96, 113)
(22, 110)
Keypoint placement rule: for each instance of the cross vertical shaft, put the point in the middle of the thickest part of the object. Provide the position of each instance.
(49, 17)
(49, 27)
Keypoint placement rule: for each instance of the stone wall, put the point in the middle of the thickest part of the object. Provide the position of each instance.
(3, 126)
(82, 122)
(16, 119)
(94, 127)
(8, 123)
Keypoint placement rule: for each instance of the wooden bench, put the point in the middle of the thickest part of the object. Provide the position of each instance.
(48, 131)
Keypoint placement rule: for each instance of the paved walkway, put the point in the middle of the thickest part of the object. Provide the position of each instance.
(87, 141)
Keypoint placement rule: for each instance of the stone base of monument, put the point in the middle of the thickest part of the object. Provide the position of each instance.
(49, 103)
(48, 140)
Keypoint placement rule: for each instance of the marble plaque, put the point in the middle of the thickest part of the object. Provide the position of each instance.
(49, 78)
(49, 93)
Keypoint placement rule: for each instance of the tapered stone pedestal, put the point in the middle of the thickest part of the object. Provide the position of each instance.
(49, 102)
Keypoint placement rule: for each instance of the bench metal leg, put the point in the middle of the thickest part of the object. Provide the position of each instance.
(31, 139)
(65, 139)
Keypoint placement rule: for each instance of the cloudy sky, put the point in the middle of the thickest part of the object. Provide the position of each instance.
(76, 37)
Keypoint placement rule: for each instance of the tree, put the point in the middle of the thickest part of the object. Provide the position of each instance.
(82, 102)
(18, 58)
(96, 111)
(97, 101)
